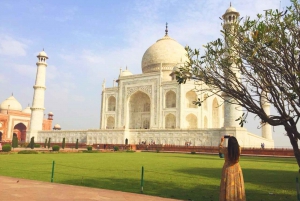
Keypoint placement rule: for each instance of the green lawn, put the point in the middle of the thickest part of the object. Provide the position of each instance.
(180, 176)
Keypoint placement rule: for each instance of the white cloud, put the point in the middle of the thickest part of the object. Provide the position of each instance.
(25, 70)
(12, 47)
(91, 58)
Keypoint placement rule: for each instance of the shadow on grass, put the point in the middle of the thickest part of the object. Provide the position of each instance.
(155, 188)
(194, 183)
(270, 160)
(273, 184)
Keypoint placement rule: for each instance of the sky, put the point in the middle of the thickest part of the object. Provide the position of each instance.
(89, 41)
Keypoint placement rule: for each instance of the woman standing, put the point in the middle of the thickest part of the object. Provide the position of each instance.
(232, 181)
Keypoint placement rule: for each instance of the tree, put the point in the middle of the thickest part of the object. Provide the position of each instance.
(49, 142)
(63, 143)
(32, 143)
(76, 145)
(45, 144)
(257, 60)
(15, 141)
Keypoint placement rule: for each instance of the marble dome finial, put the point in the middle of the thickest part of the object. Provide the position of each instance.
(166, 29)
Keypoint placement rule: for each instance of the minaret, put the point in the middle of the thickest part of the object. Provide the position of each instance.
(37, 109)
(231, 111)
(266, 129)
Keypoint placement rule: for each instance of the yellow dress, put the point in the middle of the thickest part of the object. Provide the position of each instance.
(232, 182)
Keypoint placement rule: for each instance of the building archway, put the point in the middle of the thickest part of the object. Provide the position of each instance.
(139, 111)
(170, 99)
(20, 131)
(170, 121)
(111, 103)
(191, 96)
(191, 121)
(215, 114)
(110, 124)
(1, 136)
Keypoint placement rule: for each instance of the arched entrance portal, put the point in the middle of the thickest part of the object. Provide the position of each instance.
(20, 131)
(0, 136)
(139, 111)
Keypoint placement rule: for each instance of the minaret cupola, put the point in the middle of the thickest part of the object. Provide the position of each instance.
(230, 16)
(42, 57)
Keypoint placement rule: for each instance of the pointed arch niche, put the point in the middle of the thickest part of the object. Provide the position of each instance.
(191, 121)
(139, 111)
(170, 121)
(110, 123)
(111, 103)
(20, 131)
(215, 114)
(170, 99)
(191, 96)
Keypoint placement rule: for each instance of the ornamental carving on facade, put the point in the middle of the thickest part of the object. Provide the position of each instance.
(146, 89)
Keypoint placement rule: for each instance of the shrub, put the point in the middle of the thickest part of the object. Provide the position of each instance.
(45, 144)
(76, 145)
(193, 152)
(63, 143)
(130, 151)
(6, 148)
(49, 141)
(15, 142)
(89, 148)
(55, 148)
(27, 152)
(32, 143)
(37, 145)
(90, 151)
(116, 148)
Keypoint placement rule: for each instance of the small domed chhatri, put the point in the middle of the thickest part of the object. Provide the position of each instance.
(231, 15)
(231, 9)
(11, 104)
(125, 72)
(57, 127)
(42, 54)
(27, 110)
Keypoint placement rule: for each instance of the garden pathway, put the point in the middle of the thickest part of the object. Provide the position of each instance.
(14, 189)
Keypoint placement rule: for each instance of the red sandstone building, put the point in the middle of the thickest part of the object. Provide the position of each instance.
(15, 121)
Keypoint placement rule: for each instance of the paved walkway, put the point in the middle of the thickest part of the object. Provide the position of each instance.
(13, 189)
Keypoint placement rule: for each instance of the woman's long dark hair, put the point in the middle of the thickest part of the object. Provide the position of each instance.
(233, 149)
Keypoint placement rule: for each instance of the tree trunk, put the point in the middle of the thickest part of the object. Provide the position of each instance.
(294, 143)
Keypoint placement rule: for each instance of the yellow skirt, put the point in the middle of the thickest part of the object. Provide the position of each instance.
(232, 183)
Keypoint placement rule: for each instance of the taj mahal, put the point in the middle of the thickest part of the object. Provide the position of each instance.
(146, 107)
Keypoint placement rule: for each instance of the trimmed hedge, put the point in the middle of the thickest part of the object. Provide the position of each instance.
(90, 151)
(116, 148)
(27, 152)
(6, 148)
(55, 148)
(89, 148)
(37, 145)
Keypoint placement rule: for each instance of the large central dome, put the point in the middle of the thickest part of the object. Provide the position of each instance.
(165, 51)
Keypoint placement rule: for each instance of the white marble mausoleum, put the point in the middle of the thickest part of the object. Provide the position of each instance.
(153, 107)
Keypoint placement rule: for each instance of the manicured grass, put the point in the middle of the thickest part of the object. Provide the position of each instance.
(180, 176)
